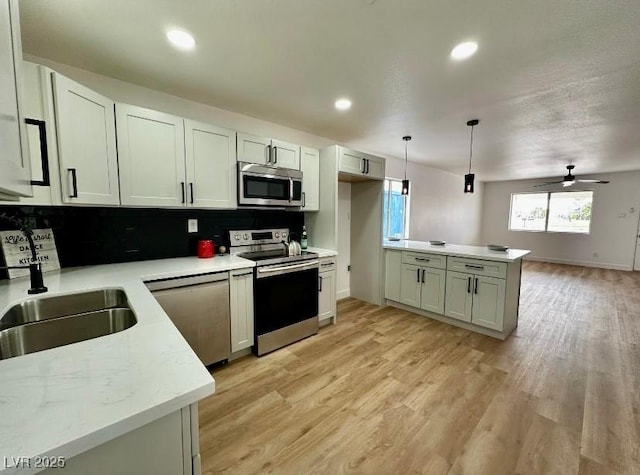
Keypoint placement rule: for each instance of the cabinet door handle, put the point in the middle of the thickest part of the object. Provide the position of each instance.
(326, 264)
(421, 259)
(475, 286)
(423, 273)
(304, 199)
(468, 285)
(74, 183)
(191, 189)
(182, 192)
(418, 275)
(275, 155)
(319, 283)
(366, 163)
(268, 153)
(362, 165)
(469, 266)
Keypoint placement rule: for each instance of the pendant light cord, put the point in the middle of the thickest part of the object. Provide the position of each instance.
(470, 150)
(405, 159)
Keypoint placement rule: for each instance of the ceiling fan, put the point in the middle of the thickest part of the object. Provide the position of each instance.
(570, 180)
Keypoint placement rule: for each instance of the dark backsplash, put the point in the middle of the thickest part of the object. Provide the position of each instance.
(90, 235)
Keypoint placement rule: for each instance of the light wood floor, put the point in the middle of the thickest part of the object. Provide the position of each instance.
(385, 391)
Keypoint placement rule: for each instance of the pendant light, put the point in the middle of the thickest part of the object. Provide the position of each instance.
(405, 182)
(469, 177)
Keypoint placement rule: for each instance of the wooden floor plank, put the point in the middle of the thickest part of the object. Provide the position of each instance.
(387, 391)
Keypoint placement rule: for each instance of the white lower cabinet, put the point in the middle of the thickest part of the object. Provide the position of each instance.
(476, 299)
(488, 302)
(476, 294)
(422, 287)
(459, 301)
(327, 290)
(241, 301)
(167, 446)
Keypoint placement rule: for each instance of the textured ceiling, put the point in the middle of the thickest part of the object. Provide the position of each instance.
(553, 82)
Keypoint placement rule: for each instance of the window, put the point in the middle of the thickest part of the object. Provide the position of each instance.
(396, 211)
(556, 211)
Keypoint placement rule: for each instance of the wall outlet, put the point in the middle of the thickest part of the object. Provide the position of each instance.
(192, 225)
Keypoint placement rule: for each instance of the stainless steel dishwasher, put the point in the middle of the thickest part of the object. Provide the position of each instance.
(199, 307)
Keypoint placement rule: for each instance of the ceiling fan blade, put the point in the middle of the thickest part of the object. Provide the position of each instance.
(594, 181)
(548, 183)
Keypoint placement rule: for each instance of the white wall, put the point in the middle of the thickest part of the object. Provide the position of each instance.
(121, 91)
(611, 243)
(440, 210)
(344, 240)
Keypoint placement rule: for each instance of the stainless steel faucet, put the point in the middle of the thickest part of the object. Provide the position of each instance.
(35, 268)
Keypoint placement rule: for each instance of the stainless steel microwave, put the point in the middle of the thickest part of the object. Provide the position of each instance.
(262, 185)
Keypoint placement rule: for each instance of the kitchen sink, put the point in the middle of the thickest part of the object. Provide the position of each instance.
(44, 323)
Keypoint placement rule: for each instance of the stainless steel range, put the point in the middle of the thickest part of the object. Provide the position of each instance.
(285, 288)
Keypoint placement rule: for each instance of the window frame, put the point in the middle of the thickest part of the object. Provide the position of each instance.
(546, 219)
(387, 215)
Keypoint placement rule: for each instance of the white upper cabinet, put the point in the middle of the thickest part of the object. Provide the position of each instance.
(210, 165)
(351, 162)
(310, 167)
(254, 149)
(86, 144)
(285, 155)
(266, 151)
(15, 169)
(151, 157)
(357, 163)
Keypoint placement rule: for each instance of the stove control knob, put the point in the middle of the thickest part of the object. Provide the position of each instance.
(236, 237)
(277, 235)
(245, 236)
(284, 235)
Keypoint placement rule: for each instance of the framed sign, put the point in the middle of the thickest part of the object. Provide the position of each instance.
(17, 252)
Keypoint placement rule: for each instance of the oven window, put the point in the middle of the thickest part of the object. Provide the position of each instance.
(285, 299)
(266, 188)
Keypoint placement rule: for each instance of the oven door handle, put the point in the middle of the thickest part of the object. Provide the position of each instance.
(272, 270)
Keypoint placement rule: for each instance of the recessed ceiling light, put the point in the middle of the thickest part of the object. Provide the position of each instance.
(181, 39)
(343, 104)
(464, 50)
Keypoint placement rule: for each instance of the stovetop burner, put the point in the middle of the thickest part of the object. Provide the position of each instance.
(276, 256)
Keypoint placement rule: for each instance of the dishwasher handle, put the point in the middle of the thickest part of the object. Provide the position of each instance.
(176, 282)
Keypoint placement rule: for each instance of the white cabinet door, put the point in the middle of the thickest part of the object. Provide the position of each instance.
(459, 299)
(15, 170)
(375, 167)
(241, 302)
(351, 162)
(86, 144)
(211, 165)
(285, 155)
(151, 157)
(253, 149)
(392, 275)
(310, 167)
(327, 295)
(433, 288)
(488, 302)
(410, 285)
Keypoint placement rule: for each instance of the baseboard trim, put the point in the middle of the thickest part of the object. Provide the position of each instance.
(343, 294)
(601, 265)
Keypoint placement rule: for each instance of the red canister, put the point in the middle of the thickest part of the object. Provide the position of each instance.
(205, 248)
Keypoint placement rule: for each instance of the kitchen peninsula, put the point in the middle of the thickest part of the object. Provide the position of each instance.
(467, 286)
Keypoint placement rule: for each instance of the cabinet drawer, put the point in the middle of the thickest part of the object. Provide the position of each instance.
(477, 267)
(327, 264)
(425, 260)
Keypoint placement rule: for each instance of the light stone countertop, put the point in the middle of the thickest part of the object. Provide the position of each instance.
(67, 400)
(322, 252)
(475, 252)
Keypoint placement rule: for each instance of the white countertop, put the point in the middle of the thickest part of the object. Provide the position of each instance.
(322, 252)
(70, 399)
(459, 250)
